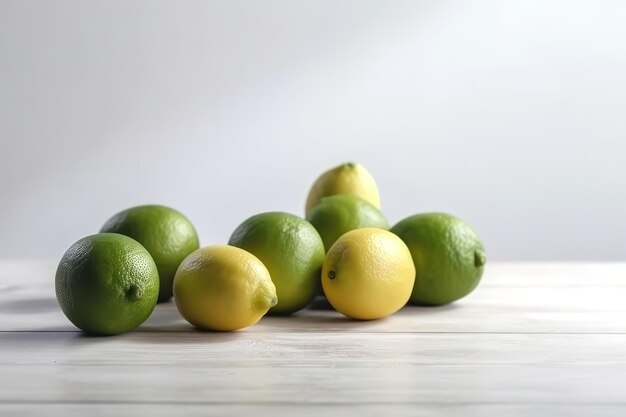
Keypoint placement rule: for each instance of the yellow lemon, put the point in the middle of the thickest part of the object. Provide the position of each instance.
(349, 178)
(368, 274)
(223, 288)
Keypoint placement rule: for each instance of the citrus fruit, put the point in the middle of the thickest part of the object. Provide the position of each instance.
(292, 251)
(223, 288)
(448, 255)
(368, 274)
(166, 233)
(338, 214)
(349, 178)
(107, 284)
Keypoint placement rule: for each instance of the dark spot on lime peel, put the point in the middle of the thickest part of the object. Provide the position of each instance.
(331, 274)
(133, 292)
(479, 259)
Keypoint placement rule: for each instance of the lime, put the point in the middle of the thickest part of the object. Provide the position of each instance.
(223, 288)
(107, 284)
(292, 251)
(448, 255)
(338, 214)
(166, 233)
(368, 274)
(349, 178)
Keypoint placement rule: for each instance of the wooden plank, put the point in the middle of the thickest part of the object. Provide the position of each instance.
(312, 410)
(320, 348)
(325, 368)
(306, 384)
(346, 410)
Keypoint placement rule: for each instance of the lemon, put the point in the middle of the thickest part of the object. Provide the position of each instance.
(448, 255)
(166, 233)
(292, 251)
(223, 288)
(338, 214)
(107, 284)
(368, 274)
(349, 178)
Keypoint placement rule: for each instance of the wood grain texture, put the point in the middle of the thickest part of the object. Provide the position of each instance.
(533, 339)
(285, 410)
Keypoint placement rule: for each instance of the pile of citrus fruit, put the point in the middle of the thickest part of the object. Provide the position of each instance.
(274, 263)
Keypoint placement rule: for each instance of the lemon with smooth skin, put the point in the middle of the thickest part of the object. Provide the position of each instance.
(292, 251)
(350, 178)
(223, 288)
(449, 257)
(338, 214)
(107, 284)
(166, 233)
(368, 274)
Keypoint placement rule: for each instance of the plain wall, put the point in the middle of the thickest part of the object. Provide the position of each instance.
(511, 115)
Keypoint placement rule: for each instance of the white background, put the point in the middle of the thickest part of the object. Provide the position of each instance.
(511, 115)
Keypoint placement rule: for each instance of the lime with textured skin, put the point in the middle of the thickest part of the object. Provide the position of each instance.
(107, 284)
(292, 251)
(350, 178)
(448, 255)
(166, 233)
(223, 288)
(338, 214)
(368, 274)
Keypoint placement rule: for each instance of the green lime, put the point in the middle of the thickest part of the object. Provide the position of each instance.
(292, 251)
(448, 255)
(107, 284)
(338, 214)
(166, 233)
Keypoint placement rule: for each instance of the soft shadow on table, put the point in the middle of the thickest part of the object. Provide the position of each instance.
(191, 335)
(320, 303)
(166, 325)
(76, 338)
(29, 305)
(165, 319)
(408, 320)
(32, 339)
(428, 310)
(310, 320)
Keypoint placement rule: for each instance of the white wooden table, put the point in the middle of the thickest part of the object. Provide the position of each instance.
(533, 339)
